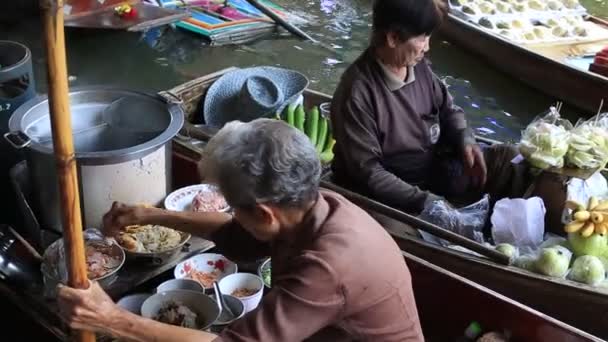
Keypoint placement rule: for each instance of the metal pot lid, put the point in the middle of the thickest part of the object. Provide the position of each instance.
(109, 125)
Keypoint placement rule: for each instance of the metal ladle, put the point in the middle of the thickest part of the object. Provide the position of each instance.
(221, 304)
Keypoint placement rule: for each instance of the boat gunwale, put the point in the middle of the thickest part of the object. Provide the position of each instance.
(499, 296)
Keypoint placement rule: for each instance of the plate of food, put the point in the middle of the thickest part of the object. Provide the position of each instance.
(205, 268)
(156, 242)
(104, 259)
(198, 198)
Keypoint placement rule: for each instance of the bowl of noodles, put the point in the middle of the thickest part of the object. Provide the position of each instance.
(152, 243)
(188, 309)
(205, 268)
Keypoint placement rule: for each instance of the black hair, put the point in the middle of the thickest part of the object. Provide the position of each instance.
(407, 18)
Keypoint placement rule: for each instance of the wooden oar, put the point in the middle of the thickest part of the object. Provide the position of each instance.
(63, 145)
(418, 223)
(289, 27)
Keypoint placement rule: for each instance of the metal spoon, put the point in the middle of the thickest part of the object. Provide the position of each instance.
(221, 304)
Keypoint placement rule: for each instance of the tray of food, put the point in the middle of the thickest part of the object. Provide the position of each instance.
(153, 244)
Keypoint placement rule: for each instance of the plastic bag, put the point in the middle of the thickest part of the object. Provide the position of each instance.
(544, 142)
(468, 221)
(519, 222)
(588, 144)
(580, 191)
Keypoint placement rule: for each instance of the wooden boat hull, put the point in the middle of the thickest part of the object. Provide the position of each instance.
(580, 88)
(448, 303)
(581, 306)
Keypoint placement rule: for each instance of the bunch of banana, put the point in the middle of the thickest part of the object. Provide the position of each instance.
(589, 219)
(315, 126)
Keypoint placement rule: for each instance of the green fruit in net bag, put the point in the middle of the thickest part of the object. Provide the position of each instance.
(588, 269)
(554, 261)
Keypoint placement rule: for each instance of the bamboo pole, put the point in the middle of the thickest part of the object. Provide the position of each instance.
(63, 145)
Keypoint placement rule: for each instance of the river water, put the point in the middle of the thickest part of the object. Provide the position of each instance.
(497, 105)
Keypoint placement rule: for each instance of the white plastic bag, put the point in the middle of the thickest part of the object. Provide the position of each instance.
(519, 222)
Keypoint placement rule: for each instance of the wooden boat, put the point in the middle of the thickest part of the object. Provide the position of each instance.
(547, 68)
(243, 22)
(565, 300)
(448, 303)
(96, 14)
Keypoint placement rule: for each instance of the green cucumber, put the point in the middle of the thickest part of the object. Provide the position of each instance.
(328, 154)
(329, 144)
(300, 117)
(291, 111)
(312, 125)
(322, 136)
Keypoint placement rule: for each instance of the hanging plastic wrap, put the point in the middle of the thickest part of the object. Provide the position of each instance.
(544, 142)
(588, 143)
(467, 221)
(104, 259)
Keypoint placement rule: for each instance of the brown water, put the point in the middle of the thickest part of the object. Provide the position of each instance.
(497, 105)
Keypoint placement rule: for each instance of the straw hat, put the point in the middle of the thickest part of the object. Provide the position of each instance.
(252, 93)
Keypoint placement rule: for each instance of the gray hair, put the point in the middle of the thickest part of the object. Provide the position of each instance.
(262, 161)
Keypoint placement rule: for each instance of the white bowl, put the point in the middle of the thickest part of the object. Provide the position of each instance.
(180, 284)
(202, 305)
(133, 302)
(206, 262)
(231, 283)
(181, 199)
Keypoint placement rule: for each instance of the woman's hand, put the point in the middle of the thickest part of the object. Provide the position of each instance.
(90, 309)
(120, 216)
(475, 165)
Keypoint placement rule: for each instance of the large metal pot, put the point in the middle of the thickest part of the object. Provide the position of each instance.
(123, 149)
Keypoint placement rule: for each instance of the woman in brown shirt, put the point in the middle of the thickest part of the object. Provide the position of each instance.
(337, 275)
(393, 119)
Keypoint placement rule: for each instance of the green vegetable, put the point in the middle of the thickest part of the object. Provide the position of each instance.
(291, 111)
(322, 136)
(554, 261)
(507, 250)
(266, 274)
(588, 269)
(300, 117)
(596, 244)
(312, 125)
(328, 155)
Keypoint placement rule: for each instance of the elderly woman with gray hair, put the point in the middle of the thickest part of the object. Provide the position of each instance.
(337, 275)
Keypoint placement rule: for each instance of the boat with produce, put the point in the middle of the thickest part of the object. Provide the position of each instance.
(495, 314)
(567, 300)
(551, 45)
